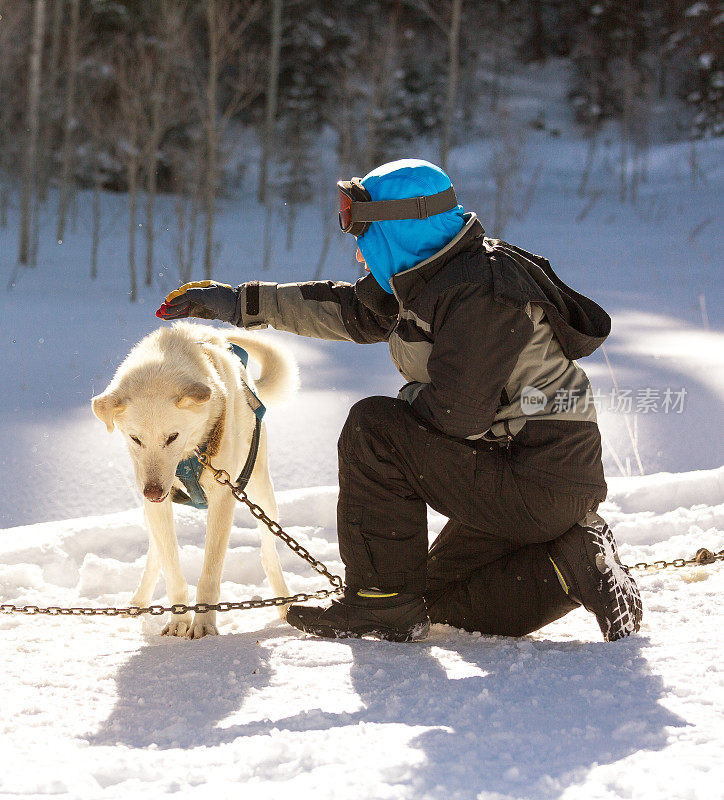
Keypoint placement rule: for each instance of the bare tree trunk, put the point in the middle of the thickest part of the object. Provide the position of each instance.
(627, 118)
(151, 181)
(497, 57)
(693, 164)
(30, 167)
(132, 175)
(538, 53)
(325, 248)
(592, 136)
(191, 239)
(52, 84)
(58, 9)
(272, 90)
(181, 255)
(663, 74)
(498, 206)
(452, 81)
(228, 24)
(56, 32)
(67, 154)
(160, 89)
(73, 210)
(383, 60)
(504, 167)
(624, 134)
(188, 199)
(150, 223)
(187, 211)
(4, 204)
(96, 235)
(635, 174)
(291, 224)
(35, 230)
(596, 195)
(346, 133)
(267, 237)
(132, 192)
(527, 200)
(211, 136)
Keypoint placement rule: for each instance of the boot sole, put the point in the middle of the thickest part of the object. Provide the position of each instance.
(622, 608)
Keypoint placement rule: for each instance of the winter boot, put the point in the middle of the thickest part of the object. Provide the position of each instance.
(586, 561)
(393, 616)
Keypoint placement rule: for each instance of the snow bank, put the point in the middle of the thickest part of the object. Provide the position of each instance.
(666, 491)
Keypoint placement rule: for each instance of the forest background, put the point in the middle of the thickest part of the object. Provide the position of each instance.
(180, 97)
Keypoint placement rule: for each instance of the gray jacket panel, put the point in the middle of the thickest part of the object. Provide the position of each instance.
(544, 384)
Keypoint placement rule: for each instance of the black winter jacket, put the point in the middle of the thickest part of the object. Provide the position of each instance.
(485, 335)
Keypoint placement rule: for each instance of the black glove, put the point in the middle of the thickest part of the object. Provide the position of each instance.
(202, 299)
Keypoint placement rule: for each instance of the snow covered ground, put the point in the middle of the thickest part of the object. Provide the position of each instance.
(96, 708)
(109, 708)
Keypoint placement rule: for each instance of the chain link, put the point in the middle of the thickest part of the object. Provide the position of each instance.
(702, 557)
(156, 610)
(222, 477)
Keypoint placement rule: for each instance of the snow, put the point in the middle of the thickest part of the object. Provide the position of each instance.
(106, 707)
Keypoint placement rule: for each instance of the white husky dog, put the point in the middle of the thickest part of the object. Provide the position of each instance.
(181, 388)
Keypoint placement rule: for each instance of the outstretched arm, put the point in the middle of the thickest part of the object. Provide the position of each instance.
(320, 309)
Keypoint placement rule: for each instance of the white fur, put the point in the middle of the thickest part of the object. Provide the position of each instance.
(180, 380)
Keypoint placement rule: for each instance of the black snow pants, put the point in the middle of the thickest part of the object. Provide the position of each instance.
(489, 569)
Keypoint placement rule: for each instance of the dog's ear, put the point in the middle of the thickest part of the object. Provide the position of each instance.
(195, 394)
(106, 406)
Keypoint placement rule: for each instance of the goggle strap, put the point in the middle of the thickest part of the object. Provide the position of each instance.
(409, 208)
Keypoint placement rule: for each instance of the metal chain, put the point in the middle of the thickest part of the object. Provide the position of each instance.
(176, 608)
(702, 557)
(222, 477)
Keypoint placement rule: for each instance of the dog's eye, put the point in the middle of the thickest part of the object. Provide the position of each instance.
(136, 440)
(172, 438)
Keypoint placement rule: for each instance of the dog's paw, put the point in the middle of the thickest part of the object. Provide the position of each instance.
(201, 627)
(177, 626)
(137, 602)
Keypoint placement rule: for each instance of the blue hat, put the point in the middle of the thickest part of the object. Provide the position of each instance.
(394, 245)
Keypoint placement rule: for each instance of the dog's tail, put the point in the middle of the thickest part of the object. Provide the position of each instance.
(279, 377)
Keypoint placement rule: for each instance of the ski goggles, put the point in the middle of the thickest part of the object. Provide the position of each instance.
(357, 210)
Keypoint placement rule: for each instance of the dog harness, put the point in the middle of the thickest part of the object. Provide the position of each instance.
(189, 470)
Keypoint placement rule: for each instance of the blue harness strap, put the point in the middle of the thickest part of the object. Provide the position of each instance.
(189, 470)
(254, 402)
(241, 354)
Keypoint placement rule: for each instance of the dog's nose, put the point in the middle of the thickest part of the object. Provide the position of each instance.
(153, 492)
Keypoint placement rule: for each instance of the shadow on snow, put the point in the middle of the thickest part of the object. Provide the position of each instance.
(535, 717)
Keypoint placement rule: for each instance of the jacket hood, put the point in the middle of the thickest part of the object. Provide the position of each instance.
(391, 246)
(579, 323)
